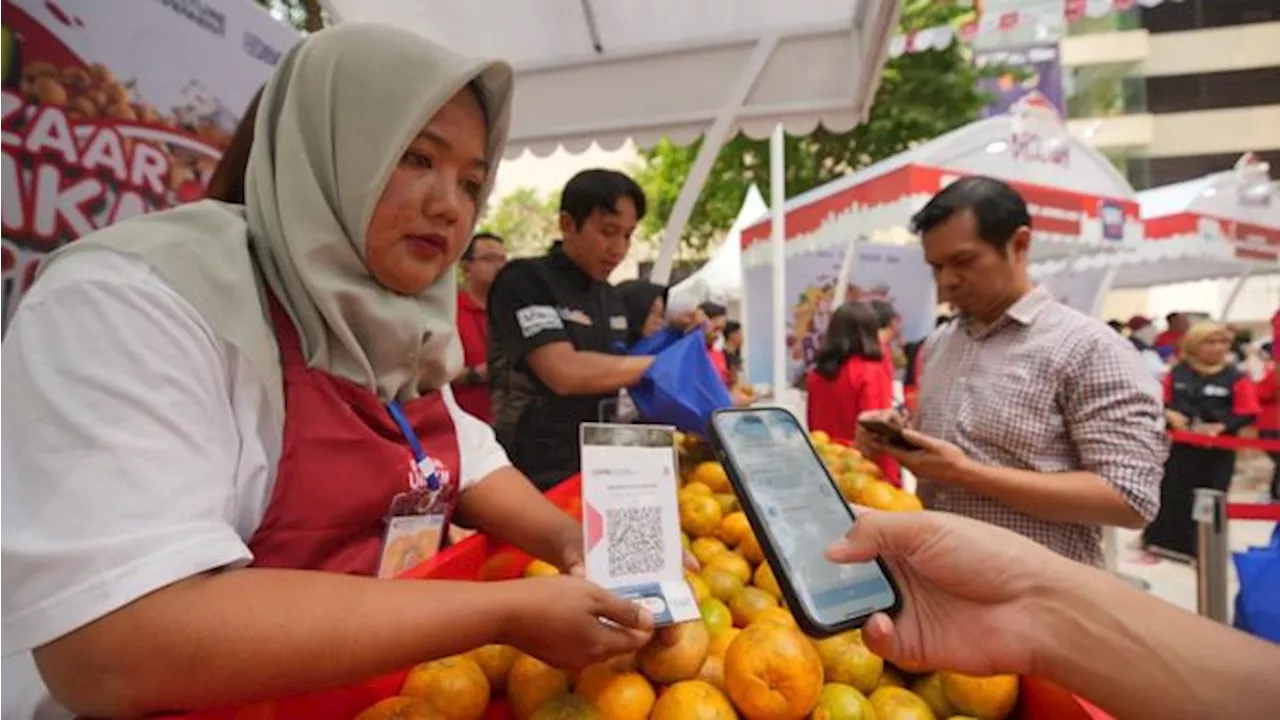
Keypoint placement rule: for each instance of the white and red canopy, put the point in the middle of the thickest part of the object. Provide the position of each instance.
(1077, 198)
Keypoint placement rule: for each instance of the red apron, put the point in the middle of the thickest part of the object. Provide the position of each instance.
(342, 461)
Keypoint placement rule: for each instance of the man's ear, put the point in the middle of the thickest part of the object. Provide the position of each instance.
(1020, 243)
(567, 224)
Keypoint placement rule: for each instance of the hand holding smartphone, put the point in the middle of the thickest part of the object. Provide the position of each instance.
(887, 433)
(796, 510)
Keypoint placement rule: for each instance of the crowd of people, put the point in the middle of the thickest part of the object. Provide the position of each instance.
(228, 420)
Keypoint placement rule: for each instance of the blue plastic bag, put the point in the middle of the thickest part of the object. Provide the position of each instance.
(682, 387)
(657, 342)
(1258, 601)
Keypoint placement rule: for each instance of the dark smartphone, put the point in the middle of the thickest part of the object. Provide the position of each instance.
(887, 432)
(795, 510)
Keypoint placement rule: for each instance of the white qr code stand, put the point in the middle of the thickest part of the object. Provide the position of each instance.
(631, 519)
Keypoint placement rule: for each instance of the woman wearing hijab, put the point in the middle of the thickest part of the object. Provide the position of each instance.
(646, 305)
(1205, 395)
(224, 419)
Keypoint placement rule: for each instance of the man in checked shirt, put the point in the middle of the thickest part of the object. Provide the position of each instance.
(1032, 416)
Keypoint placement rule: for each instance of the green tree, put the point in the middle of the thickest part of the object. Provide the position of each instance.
(304, 15)
(526, 221)
(921, 96)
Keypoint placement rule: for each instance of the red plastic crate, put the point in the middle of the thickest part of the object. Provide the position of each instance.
(482, 558)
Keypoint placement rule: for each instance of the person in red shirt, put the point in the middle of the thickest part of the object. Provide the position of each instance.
(1269, 418)
(889, 322)
(1171, 339)
(481, 261)
(848, 377)
(717, 316)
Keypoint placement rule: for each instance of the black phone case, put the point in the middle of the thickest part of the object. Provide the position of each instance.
(810, 625)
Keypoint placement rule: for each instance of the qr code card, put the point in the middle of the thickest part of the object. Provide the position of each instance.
(632, 520)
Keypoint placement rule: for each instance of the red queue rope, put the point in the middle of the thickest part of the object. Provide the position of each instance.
(1236, 511)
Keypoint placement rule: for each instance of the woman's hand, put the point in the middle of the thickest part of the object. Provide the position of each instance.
(1211, 429)
(972, 592)
(1176, 420)
(561, 620)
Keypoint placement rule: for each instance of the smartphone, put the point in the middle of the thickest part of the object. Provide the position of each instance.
(887, 432)
(795, 510)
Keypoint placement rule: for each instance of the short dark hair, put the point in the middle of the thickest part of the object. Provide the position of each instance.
(713, 309)
(998, 210)
(884, 312)
(228, 179)
(732, 327)
(851, 333)
(592, 190)
(470, 252)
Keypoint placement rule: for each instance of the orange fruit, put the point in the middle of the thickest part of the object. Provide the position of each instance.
(566, 707)
(685, 542)
(711, 474)
(929, 689)
(734, 527)
(734, 564)
(693, 700)
(772, 672)
(846, 660)
(400, 708)
(891, 677)
(722, 583)
(716, 615)
(624, 696)
(539, 568)
(986, 698)
(697, 586)
(532, 684)
(842, 702)
(720, 642)
(750, 549)
(819, 437)
(495, 661)
(594, 678)
(879, 495)
(728, 502)
(853, 484)
(696, 488)
(705, 548)
(907, 502)
(712, 671)
(767, 581)
(895, 703)
(676, 653)
(456, 686)
(777, 616)
(748, 603)
(700, 515)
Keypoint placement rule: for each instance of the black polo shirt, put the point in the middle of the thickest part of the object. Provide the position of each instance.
(535, 302)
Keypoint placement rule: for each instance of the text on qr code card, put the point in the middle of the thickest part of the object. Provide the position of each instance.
(635, 540)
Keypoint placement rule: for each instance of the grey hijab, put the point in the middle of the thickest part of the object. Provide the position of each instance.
(334, 119)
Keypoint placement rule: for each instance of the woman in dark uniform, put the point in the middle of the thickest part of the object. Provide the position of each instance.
(1206, 395)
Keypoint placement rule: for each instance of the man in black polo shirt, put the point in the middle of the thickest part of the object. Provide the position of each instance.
(557, 330)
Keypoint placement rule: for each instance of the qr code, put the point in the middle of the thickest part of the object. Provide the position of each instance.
(635, 540)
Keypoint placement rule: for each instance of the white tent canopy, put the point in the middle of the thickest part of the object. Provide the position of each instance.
(1221, 226)
(606, 71)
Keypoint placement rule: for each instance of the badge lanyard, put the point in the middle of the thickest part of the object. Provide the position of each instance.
(415, 445)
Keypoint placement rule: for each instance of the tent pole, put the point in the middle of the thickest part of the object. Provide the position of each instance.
(777, 203)
(1235, 293)
(712, 141)
(846, 272)
(1095, 307)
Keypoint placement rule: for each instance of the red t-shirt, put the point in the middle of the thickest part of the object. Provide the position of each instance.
(1169, 339)
(473, 331)
(886, 357)
(834, 405)
(721, 364)
(1269, 400)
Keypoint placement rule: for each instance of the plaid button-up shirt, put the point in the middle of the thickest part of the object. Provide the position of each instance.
(1048, 389)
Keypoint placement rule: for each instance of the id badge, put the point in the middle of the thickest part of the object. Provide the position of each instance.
(417, 525)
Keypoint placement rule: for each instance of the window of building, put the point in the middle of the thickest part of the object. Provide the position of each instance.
(1166, 170)
(1198, 14)
(1208, 91)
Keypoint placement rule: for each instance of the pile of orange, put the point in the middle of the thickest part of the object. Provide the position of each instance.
(745, 658)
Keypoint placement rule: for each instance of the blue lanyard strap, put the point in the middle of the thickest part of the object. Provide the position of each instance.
(415, 445)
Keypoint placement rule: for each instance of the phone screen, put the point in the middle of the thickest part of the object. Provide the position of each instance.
(802, 512)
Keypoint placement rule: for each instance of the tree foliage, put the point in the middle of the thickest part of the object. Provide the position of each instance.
(921, 96)
(526, 221)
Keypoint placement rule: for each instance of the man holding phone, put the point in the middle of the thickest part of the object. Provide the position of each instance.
(1032, 416)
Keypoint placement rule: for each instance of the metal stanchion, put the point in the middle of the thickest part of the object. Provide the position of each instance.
(1212, 550)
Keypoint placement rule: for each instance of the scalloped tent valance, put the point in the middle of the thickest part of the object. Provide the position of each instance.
(608, 71)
